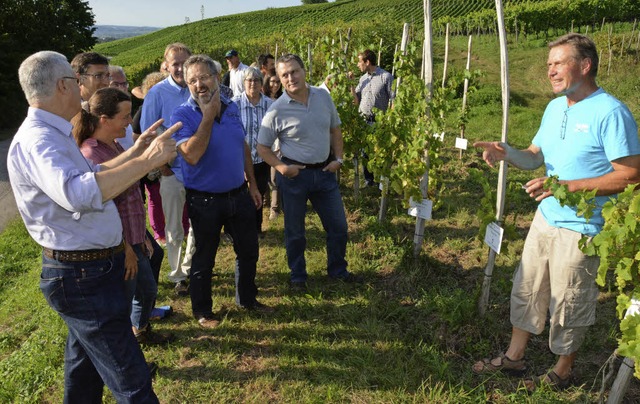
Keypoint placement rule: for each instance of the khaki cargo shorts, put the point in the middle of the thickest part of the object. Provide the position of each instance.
(555, 276)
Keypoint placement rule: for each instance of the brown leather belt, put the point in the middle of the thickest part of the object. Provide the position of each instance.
(83, 255)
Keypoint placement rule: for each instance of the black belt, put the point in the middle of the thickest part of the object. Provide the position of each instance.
(83, 255)
(307, 165)
(233, 192)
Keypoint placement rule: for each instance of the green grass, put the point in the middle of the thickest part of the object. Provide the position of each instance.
(410, 334)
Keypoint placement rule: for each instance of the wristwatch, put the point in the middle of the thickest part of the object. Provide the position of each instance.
(339, 160)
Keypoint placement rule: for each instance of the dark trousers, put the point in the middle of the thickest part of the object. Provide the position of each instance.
(209, 213)
(101, 349)
(262, 172)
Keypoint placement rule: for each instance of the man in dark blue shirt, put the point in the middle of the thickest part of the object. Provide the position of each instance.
(217, 161)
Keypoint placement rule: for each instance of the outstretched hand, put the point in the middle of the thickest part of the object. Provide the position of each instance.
(493, 152)
(163, 148)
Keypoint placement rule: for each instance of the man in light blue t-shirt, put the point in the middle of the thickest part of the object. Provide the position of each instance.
(589, 140)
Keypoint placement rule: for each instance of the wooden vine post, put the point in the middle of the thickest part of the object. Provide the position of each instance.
(502, 174)
(418, 235)
(384, 182)
(623, 378)
(310, 62)
(466, 90)
(446, 57)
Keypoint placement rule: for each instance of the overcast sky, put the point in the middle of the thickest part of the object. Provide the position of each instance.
(165, 13)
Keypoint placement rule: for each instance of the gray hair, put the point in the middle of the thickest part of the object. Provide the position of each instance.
(204, 59)
(252, 73)
(584, 48)
(39, 74)
(116, 69)
(218, 66)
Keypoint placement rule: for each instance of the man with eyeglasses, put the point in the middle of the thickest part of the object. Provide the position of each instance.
(67, 206)
(92, 70)
(217, 166)
(590, 141)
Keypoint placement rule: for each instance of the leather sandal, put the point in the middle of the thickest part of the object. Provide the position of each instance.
(550, 379)
(506, 365)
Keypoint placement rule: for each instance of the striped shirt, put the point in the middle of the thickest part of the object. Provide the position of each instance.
(251, 116)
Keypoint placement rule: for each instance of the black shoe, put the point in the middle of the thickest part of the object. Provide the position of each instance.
(149, 337)
(351, 278)
(259, 307)
(181, 288)
(297, 286)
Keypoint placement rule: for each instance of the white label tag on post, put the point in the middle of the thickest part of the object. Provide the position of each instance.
(493, 236)
(461, 143)
(420, 209)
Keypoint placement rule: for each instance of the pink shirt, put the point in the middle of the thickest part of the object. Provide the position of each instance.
(129, 203)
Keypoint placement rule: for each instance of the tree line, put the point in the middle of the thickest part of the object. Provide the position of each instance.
(28, 26)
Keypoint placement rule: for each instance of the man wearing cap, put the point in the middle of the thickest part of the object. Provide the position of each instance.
(236, 67)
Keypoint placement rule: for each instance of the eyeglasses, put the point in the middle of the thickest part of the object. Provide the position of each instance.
(194, 80)
(71, 78)
(274, 81)
(563, 127)
(253, 80)
(121, 84)
(98, 76)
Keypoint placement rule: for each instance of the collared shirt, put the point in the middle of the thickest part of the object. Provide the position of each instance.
(129, 203)
(374, 90)
(160, 102)
(221, 167)
(304, 131)
(251, 116)
(56, 189)
(235, 79)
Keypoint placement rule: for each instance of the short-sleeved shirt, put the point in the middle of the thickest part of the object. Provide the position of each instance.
(129, 203)
(374, 90)
(235, 79)
(56, 189)
(251, 116)
(303, 130)
(221, 167)
(580, 142)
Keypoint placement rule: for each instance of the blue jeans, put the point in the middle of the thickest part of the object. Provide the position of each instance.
(321, 188)
(101, 348)
(142, 290)
(208, 214)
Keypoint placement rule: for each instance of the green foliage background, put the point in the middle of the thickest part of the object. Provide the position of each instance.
(28, 26)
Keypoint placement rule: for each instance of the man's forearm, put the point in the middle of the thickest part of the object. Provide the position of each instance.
(626, 171)
(523, 159)
(269, 156)
(114, 181)
(195, 147)
(248, 166)
(336, 142)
